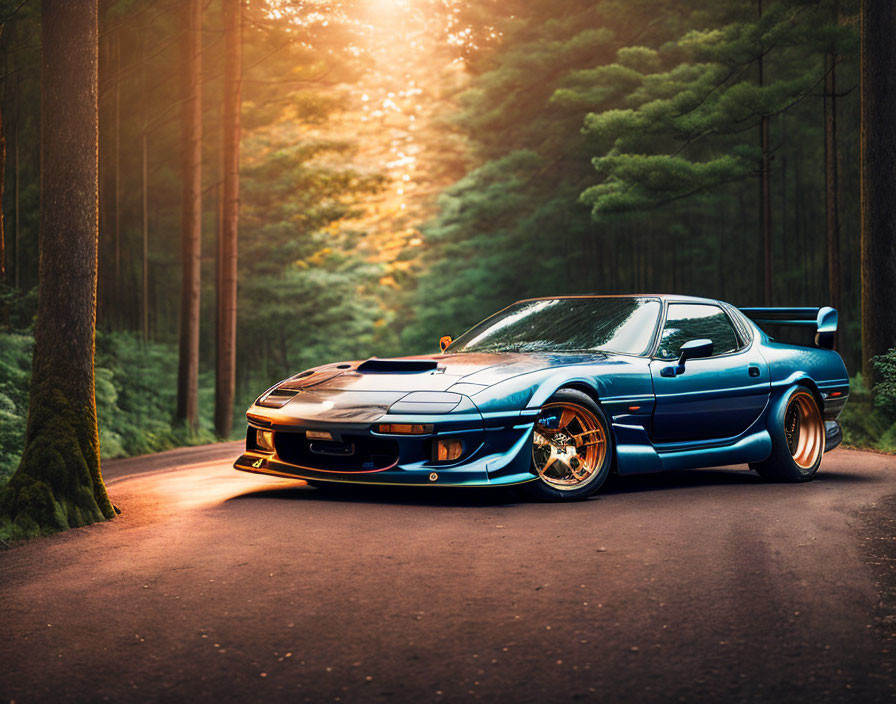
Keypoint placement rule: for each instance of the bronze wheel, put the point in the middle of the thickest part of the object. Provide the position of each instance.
(569, 446)
(804, 429)
(796, 429)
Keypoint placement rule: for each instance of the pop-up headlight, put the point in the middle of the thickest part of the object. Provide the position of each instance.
(427, 402)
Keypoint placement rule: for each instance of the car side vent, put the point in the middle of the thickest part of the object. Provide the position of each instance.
(397, 366)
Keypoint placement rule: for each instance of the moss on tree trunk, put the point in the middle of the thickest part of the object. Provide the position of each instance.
(58, 484)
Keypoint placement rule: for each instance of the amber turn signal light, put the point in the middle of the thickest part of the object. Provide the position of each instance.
(447, 450)
(404, 428)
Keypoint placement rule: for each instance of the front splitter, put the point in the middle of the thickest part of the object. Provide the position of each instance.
(260, 463)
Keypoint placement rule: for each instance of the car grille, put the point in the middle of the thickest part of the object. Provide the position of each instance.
(356, 453)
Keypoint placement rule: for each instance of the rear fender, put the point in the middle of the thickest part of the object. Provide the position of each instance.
(781, 389)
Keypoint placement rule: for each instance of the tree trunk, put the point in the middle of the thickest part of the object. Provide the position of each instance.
(191, 215)
(105, 280)
(219, 241)
(798, 226)
(784, 210)
(878, 184)
(144, 187)
(117, 292)
(18, 231)
(765, 194)
(5, 313)
(230, 136)
(145, 262)
(831, 181)
(58, 483)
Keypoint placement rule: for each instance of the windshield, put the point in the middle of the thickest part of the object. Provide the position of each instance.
(624, 325)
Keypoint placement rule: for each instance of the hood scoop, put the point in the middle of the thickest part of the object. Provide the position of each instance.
(397, 366)
(306, 380)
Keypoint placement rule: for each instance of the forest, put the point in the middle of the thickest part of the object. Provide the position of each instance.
(283, 183)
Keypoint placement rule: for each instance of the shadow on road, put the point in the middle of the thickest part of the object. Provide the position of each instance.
(486, 497)
(397, 495)
(689, 478)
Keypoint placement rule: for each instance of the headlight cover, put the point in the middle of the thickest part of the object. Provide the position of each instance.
(427, 402)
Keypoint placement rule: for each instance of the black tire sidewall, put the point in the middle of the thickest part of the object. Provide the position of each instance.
(780, 466)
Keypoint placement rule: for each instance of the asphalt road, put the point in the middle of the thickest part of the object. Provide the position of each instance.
(701, 586)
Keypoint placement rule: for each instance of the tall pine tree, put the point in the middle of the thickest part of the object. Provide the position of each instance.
(58, 483)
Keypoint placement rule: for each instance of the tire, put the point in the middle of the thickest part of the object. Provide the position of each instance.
(574, 464)
(798, 439)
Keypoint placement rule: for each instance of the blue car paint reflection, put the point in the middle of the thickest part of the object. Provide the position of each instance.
(710, 411)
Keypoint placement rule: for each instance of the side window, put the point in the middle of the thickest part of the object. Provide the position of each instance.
(687, 321)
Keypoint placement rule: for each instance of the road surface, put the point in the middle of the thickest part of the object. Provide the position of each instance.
(214, 585)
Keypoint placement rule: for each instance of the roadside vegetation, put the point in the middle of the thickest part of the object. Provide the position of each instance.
(869, 419)
(135, 392)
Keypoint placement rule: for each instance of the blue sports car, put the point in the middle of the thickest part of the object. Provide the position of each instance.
(553, 394)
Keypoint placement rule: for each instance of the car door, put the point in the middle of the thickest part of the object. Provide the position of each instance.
(714, 397)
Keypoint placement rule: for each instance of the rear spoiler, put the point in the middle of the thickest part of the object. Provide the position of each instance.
(823, 319)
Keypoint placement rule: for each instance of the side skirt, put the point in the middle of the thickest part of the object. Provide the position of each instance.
(635, 454)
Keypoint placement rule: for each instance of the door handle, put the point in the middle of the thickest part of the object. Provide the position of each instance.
(754, 371)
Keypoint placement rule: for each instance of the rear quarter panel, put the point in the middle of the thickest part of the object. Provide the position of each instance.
(821, 370)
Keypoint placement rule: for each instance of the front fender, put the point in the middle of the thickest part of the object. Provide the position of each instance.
(513, 395)
(552, 384)
(620, 387)
(531, 391)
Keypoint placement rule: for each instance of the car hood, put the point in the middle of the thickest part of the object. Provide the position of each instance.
(439, 372)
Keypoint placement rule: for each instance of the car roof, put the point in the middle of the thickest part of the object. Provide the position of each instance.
(662, 296)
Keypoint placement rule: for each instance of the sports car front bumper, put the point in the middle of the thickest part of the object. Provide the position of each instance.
(496, 452)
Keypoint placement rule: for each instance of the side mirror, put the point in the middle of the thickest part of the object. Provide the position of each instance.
(445, 340)
(693, 349)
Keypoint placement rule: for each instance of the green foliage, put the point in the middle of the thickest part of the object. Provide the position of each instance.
(516, 226)
(865, 420)
(616, 155)
(691, 105)
(885, 390)
(637, 181)
(135, 395)
(489, 247)
(305, 296)
(15, 370)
